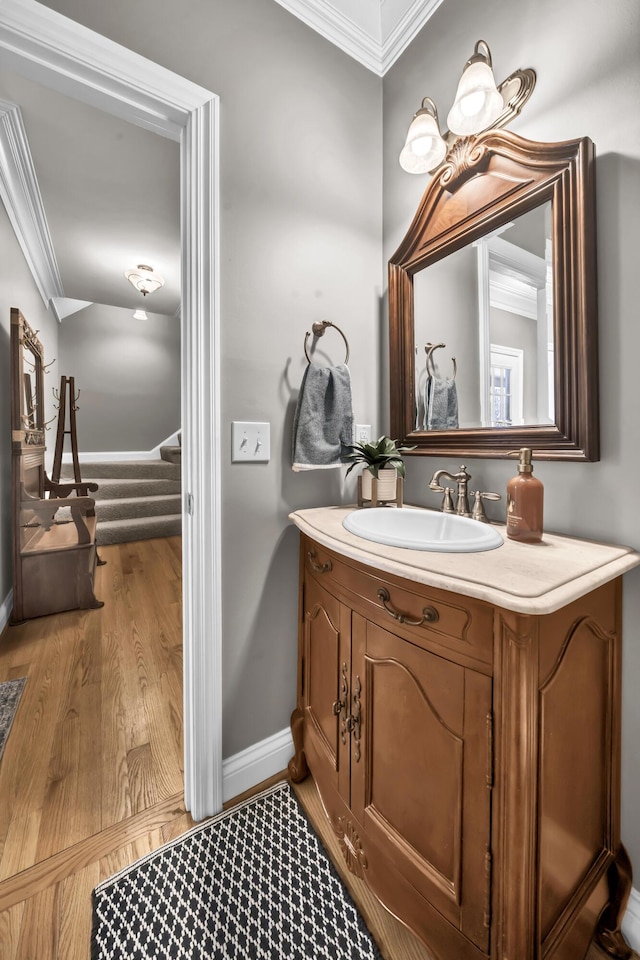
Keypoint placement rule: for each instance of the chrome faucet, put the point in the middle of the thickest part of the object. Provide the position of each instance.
(462, 479)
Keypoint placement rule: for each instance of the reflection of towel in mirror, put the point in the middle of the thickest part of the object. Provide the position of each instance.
(323, 422)
(441, 404)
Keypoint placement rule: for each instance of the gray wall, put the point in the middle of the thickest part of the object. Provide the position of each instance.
(441, 317)
(301, 228)
(17, 289)
(586, 57)
(128, 372)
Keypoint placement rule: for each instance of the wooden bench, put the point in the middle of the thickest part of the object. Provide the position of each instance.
(54, 532)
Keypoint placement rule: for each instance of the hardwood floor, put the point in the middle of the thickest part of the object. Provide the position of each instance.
(92, 773)
(91, 776)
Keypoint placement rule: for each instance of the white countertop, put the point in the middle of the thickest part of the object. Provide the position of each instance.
(527, 578)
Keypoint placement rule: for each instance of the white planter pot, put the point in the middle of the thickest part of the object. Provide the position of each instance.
(386, 484)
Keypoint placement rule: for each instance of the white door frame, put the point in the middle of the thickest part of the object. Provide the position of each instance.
(67, 57)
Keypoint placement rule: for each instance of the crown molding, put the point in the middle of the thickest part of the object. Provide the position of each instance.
(377, 53)
(21, 196)
(341, 30)
(399, 38)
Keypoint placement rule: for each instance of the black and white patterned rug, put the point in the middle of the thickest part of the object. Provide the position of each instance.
(252, 883)
(10, 693)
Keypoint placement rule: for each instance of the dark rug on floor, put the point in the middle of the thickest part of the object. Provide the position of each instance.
(10, 693)
(253, 882)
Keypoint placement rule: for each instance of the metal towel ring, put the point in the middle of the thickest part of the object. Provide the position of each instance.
(319, 331)
(428, 349)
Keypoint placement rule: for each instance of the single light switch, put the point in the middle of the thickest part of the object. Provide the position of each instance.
(250, 442)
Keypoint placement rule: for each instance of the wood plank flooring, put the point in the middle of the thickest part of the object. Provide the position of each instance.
(92, 773)
(91, 777)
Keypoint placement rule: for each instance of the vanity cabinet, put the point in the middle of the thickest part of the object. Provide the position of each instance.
(467, 757)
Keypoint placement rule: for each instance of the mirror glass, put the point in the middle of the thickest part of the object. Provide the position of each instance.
(30, 401)
(493, 326)
(483, 327)
(31, 411)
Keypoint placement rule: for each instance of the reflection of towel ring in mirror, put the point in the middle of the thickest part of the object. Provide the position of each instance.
(319, 331)
(428, 349)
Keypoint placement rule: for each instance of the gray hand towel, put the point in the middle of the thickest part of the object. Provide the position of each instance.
(323, 422)
(441, 403)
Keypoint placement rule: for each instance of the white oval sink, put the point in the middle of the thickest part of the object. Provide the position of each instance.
(422, 530)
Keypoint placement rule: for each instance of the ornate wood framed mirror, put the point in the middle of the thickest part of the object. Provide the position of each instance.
(499, 268)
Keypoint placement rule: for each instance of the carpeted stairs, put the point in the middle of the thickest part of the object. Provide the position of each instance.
(136, 499)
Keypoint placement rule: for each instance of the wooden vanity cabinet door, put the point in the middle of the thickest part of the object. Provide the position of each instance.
(421, 773)
(325, 691)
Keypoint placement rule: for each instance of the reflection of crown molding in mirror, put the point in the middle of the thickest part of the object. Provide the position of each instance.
(487, 181)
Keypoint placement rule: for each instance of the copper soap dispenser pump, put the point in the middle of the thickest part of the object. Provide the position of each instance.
(525, 495)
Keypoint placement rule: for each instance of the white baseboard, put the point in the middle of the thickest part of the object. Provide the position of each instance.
(5, 610)
(257, 763)
(631, 921)
(116, 456)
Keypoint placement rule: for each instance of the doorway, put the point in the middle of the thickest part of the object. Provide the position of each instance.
(50, 49)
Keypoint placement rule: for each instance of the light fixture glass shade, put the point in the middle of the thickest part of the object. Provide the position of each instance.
(424, 149)
(478, 102)
(140, 315)
(144, 279)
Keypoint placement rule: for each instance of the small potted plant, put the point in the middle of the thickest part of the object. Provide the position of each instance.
(383, 460)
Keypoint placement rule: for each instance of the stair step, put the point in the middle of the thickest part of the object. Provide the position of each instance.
(171, 454)
(145, 528)
(125, 508)
(112, 488)
(131, 469)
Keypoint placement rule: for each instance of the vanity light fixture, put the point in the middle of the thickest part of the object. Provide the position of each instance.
(478, 106)
(424, 147)
(140, 315)
(478, 102)
(144, 279)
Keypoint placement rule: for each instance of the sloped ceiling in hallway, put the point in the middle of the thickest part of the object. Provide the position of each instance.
(374, 32)
(109, 196)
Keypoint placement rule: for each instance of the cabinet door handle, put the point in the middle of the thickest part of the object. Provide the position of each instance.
(316, 566)
(355, 718)
(339, 707)
(429, 614)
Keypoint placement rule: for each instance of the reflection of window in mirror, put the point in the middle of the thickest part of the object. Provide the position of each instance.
(505, 386)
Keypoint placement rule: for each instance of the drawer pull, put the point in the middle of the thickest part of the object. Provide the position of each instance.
(316, 566)
(429, 614)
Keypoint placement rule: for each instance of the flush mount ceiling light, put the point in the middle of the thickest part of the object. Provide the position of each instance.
(144, 279)
(478, 106)
(140, 315)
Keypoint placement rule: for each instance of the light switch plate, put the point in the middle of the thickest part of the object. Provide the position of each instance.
(250, 442)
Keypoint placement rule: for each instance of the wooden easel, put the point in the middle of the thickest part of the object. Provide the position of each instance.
(67, 387)
(67, 397)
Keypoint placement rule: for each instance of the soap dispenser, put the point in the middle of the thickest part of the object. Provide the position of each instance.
(524, 502)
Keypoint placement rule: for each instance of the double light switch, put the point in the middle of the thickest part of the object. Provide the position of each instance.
(250, 442)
